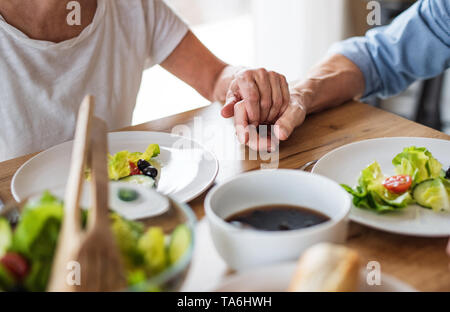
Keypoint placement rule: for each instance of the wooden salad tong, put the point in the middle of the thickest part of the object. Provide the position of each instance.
(87, 260)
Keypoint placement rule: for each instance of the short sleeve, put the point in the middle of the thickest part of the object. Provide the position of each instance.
(166, 30)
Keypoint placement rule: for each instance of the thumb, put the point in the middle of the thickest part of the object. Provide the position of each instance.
(231, 100)
(289, 120)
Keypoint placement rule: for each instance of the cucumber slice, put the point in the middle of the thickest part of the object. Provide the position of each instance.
(179, 243)
(127, 195)
(5, 236)
(432, 194)
(140, 179)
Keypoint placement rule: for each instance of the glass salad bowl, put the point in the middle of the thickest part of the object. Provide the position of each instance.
(154, 233)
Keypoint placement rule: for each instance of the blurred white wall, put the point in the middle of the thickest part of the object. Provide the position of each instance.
(293, 35)
(197, 12)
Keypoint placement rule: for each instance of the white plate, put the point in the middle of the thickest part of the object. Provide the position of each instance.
(276, 278)
(188, 168)
(344, 165)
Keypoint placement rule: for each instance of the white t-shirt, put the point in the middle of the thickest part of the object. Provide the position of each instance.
(42, 83)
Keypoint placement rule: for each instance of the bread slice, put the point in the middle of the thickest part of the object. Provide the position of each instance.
(328, 268)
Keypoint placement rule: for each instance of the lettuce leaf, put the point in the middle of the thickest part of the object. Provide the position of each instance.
(152, 245)
(372, 195)
(39, 275)
(151, 151)
(36, 234)
(127, 234)
(118, 164)
(5, 236)
(417, 162)
(7, 280)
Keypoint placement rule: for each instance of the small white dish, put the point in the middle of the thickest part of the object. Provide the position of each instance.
(276, 278)
(246, 248)
(148, 203)
(344, 165)
(188, 168)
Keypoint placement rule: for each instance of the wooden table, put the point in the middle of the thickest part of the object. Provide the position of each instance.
(421, 262)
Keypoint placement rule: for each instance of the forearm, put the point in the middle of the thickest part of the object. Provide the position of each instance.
(416, 45)
(331, 83)
(193, 63)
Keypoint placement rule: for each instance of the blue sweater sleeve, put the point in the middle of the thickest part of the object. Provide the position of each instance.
(416, 45)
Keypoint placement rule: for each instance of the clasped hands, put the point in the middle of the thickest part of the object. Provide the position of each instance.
(260, 97)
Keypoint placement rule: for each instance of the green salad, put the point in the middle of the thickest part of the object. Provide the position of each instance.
(135, 167)
(27, 248)
(419, 178)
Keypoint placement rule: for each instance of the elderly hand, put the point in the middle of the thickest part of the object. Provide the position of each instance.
(258, 98)
(292, 117)
(255, 97)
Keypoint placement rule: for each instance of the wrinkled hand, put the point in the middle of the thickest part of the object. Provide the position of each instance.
(256, 97)
(261, 97)
(291, 118)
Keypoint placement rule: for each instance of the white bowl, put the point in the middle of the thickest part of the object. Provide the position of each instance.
(245, 248)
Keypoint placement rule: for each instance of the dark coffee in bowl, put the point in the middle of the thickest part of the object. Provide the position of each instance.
(277, 218)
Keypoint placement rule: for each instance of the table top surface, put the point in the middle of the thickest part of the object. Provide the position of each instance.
(421, 262)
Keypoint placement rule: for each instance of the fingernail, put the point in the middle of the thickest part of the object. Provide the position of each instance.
(281, 134)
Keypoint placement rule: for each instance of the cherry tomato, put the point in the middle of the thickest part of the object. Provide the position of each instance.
(15, 264)
(134, 170)
(398, 184)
